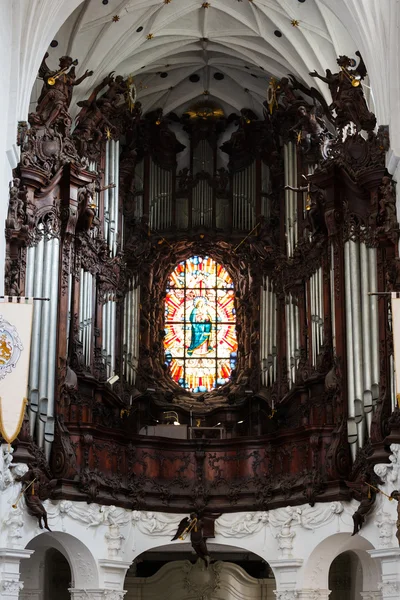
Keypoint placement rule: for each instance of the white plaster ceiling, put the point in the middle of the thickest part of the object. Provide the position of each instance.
(233, 37)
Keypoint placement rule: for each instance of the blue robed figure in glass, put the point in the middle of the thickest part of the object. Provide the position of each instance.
(201, 328)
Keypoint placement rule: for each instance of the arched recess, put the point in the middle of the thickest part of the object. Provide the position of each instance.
(316, 569)
(83, 566)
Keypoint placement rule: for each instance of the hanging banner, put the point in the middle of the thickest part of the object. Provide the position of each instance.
(15, 344)
(396, 341)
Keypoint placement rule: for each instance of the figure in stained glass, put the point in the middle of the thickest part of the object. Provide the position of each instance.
(200, 319)
(200, 333)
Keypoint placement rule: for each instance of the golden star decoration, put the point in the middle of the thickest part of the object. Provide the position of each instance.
(205, 5)
(149, 36)
(295, 23)
(167, 1)
(116, 18)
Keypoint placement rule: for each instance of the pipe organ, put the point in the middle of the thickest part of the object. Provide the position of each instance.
(277, 320)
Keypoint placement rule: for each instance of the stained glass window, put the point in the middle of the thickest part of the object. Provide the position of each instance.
(200, 325)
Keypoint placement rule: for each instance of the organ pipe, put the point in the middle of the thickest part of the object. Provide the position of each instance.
(111, 196)
(362, 339)
(292, 337)
(109, 333)
(160, 188)
(290, 173)
(42, 274)
(268, 318)
(131, 333)
(244, 198)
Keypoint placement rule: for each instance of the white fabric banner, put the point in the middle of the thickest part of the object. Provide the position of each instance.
(396, 341)
(15, 346)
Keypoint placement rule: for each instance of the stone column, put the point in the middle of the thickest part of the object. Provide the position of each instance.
(97, 594)
(10, 584)
(286, 577)
(389, 587)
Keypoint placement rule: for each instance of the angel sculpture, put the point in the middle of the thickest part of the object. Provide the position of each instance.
(38, 488)
(55, 97)
(347, 94)
(194, 526)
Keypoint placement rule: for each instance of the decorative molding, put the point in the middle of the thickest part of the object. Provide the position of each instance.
(389, 589)
(6, 457)
(286, 594)
(97, 594)
(385, 523)
(390, 473)
(11, 587)
(202, 582)
(160, 524)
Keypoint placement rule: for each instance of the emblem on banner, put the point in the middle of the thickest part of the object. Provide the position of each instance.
(10, 347)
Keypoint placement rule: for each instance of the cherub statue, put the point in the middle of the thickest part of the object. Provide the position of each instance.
(396, 496)
(347, 94)
(193, 525)
(56, 94)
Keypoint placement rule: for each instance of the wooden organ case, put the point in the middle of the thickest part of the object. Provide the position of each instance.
(309, 408)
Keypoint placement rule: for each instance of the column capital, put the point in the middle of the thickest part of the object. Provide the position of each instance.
(10, 588)
(313, 594)
(97, 594)
(385, 553)
(13, 554)
(371, 595)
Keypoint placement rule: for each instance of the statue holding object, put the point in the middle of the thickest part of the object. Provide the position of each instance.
(193, 525)
(347, 94)
(56, 95)
(37, 488)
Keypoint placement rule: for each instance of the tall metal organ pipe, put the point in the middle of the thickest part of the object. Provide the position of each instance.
(244, 198)
(292, 338)
(111, 196)
(109, 331)
(290, 171)
(42, 274)
(160, 187)
(268, 318)
(131, 332)
(362, 339)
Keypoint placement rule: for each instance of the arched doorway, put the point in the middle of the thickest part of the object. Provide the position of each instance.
(172, 571)
(346, 577)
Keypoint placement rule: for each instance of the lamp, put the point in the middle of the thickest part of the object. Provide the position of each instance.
(171, 414)
(113, 379)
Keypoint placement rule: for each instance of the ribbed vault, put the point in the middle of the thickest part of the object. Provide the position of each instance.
(180, 49)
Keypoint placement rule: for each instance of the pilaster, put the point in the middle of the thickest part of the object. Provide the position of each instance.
(10, 584)
(389, 559)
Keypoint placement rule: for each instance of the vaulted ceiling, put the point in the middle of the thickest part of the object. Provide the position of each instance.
(183, 50)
